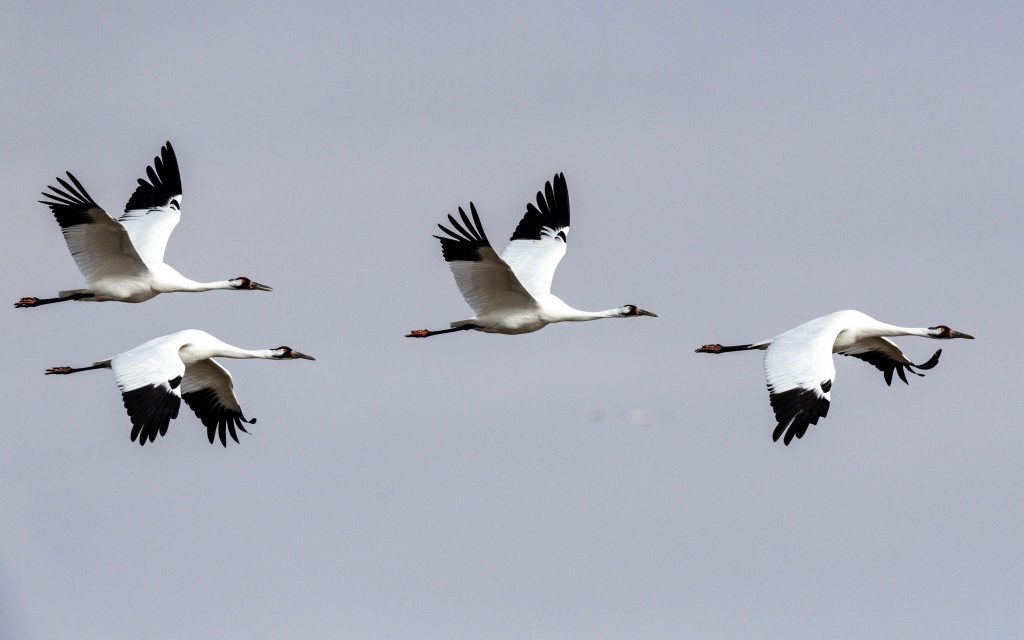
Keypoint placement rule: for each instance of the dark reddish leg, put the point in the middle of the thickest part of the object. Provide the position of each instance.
(717, 348)
(66, 370)
(32, 301)
(423, 333)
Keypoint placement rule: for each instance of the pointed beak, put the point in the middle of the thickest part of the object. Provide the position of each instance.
(643, 312)
(261, 287)
(296, 354)
(957, 334)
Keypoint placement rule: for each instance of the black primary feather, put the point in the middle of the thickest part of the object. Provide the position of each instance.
(72, 205)
(552, 211)
(218, 419)
(796, 409)
(888, 366)
(164, 182)
(467, 239)
(151, 409)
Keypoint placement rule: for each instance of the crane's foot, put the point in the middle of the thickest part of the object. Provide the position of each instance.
(26, 302)
(418, 333)
(58, 370)
(710, 348)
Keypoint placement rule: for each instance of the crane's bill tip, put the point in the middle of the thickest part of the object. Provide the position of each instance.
(644, 312)
(958, 334)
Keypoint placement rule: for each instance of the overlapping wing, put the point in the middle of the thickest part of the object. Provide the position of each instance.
(209, 391)
(487, 283)
(800, 372)
(149, 377)
(100, 245)
(888, 358)
(155, 208)
(539, 241)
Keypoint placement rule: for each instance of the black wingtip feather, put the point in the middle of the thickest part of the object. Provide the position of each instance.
(795, 410)
(931, 362)
(888, 366)
(219, 420)
(70, 205)
(151, 409)
(164, 182)
(552, 211)
(467, 239)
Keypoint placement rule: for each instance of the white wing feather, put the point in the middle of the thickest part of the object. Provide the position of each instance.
(880, 345)
(534, 261)
(209, 374)
(798, 361)
(489, 284)
(100, 246)
(154, 209)
(539, 241)
(149, 230)
(151, 363)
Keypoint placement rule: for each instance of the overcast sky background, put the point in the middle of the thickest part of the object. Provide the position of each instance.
(737, 170)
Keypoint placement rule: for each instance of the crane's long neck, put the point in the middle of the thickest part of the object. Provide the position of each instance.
(577, 315)
(201, 347)
(883, 330)
(228, 351)
(191, 285)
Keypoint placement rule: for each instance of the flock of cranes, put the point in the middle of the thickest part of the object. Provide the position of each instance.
(122, 260)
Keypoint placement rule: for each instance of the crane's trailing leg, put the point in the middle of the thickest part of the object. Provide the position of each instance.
(424, 333)
(717, 348)
(66, 370)
(32, 301)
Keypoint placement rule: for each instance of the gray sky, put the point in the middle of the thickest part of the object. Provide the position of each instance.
(738, 170)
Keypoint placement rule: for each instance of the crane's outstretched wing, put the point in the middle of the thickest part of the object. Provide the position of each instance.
(155, 208)
(208, 390)
(485, 280)
(800, 372)
(99, 244)
(539, 242)
(887, 358)
(149, 377)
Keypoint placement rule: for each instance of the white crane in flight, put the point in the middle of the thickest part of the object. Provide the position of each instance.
(511, 294)
(156, 376)
(800, 371)
(123, 259)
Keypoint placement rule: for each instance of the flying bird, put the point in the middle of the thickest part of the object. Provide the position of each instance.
(123, 259)
(511, 294)
(156, 376)
(800, 371)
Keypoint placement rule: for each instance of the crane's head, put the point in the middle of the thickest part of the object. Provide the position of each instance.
(633, 310)
(247, 284)
(287, 353)
(942, 332)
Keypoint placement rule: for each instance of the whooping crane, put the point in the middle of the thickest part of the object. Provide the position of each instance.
(156, 376)
(511, 294)
(800, 371)
(123, 259)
